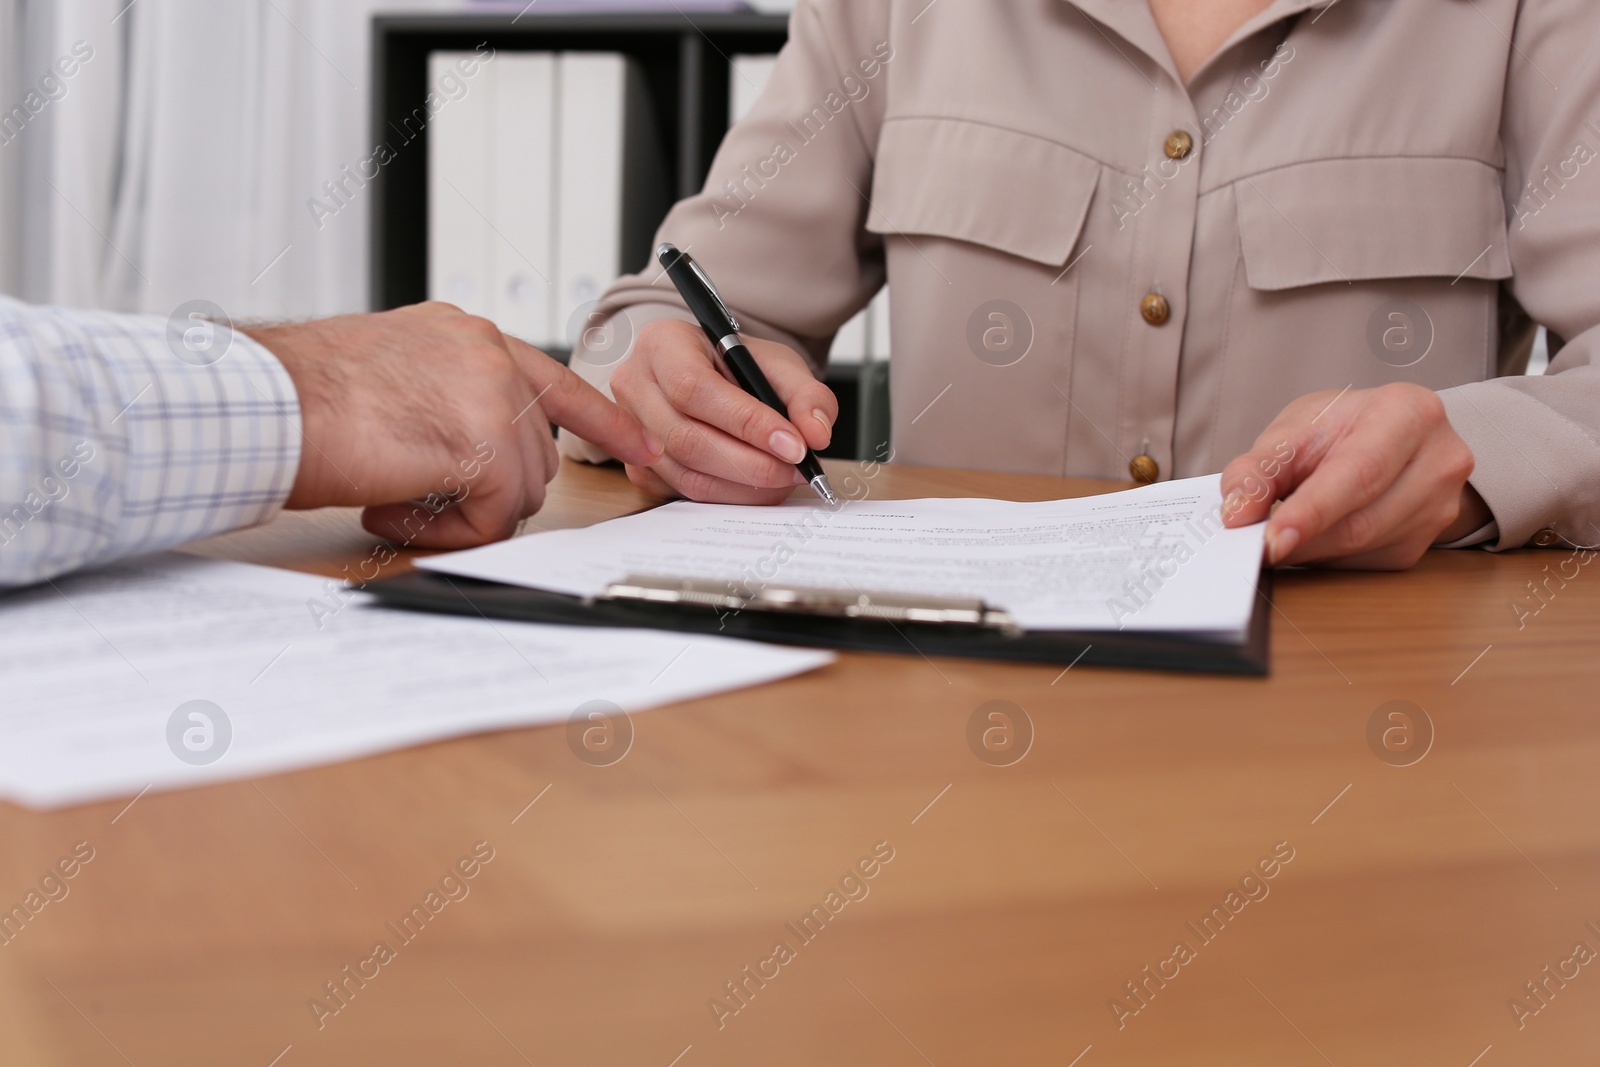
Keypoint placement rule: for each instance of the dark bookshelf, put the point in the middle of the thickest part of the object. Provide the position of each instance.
(685, 61)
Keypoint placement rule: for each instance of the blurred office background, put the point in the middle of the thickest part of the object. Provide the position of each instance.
(176, 160)
(156, 151)
(178, 157)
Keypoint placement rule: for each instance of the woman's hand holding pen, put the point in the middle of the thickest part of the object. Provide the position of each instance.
(722, 444)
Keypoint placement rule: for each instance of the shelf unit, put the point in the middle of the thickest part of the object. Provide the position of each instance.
(685, 72)
(684, 58)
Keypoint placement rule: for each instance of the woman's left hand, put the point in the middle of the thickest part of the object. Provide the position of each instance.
(1370, 478)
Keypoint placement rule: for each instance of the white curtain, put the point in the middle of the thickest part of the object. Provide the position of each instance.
(178, 161)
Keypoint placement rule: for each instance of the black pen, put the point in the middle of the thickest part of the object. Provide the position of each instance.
(723, 331)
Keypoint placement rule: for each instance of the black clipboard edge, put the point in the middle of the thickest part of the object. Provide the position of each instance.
(435, 591)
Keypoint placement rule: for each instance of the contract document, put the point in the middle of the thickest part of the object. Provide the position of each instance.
(1155, 558)
(172, 671)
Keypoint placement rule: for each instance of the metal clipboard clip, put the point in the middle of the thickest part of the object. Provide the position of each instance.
(825, 603)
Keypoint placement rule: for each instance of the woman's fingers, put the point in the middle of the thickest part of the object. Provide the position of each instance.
(813, 409)
(1382, 439)
(649, 482)
(697, 446)
(1367, 478)
(698, 485)
(719, 442)
(1391, 532)
(1248, 490)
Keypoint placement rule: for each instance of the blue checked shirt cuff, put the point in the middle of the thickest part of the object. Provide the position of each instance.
(121, 435)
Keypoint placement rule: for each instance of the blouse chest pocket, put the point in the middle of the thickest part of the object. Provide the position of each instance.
(980, 223)
(1366, 271)
(984, 185)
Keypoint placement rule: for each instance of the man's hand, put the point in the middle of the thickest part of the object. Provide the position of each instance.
(428, 402)
(1368, 479)
(722, 444)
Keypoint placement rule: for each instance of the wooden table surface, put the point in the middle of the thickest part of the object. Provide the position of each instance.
(1428, 881)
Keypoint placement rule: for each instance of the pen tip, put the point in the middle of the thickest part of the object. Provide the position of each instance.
(824, 490)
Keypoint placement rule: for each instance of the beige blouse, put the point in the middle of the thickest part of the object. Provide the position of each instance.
(1093, 266)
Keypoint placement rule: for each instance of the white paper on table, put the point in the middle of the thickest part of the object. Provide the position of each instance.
(96, 665)
(1153, 559)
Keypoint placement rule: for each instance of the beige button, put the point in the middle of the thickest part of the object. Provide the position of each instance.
(1179, 144)
(1144, 469)
(1155, 309)
(1546, 537)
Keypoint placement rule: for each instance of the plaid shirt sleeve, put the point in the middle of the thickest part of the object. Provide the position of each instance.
(122, 434)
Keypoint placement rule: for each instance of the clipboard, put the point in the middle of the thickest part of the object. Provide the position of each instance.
(839, 619)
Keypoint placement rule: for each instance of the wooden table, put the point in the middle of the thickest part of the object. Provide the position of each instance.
(1019, 901)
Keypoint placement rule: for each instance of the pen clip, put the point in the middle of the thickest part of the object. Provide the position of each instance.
(710, 288)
